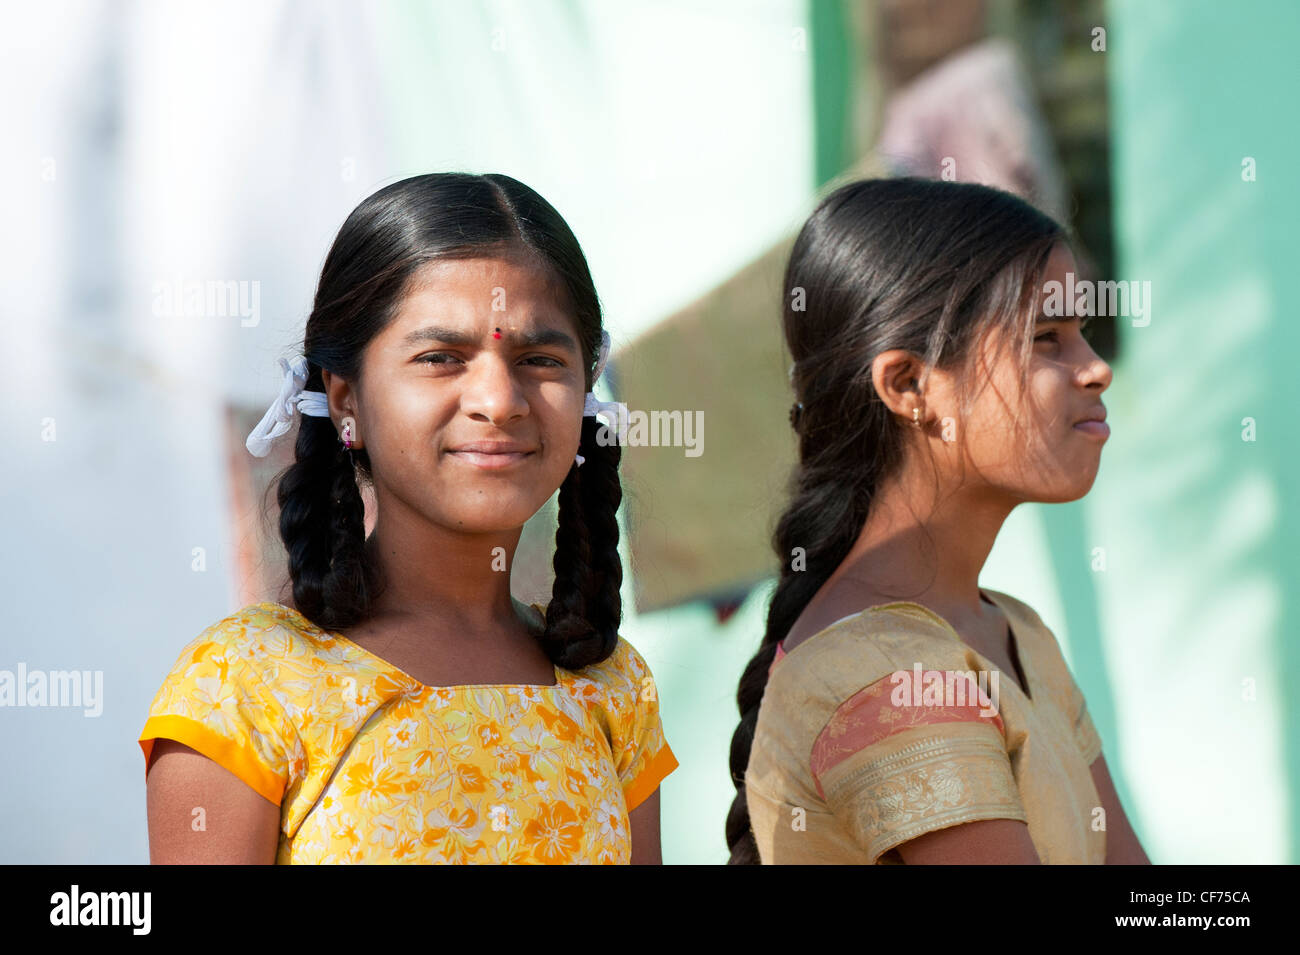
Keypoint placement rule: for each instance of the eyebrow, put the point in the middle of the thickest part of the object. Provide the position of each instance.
(454, 336)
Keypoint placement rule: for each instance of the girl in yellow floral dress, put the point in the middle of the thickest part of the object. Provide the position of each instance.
(403, 706)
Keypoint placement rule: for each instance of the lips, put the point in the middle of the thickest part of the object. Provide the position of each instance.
(494, 447)
(491, 455)
(1094, 423)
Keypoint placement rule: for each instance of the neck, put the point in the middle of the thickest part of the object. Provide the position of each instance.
(927, 551)
(436, 575)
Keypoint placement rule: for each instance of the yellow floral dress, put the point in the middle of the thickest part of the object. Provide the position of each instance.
(848, 762)
(369, 765)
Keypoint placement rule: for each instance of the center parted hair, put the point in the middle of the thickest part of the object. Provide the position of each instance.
(381, 246)
(925, 266)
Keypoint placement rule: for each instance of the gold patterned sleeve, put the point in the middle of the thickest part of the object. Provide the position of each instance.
(1086, 736)
(892, 772)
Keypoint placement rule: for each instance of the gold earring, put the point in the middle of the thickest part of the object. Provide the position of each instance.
(916, 416)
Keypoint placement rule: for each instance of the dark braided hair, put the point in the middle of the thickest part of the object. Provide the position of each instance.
(383, 243)
(920, 265)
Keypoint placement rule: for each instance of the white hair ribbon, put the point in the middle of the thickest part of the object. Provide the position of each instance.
(614, 412)
(279, 417)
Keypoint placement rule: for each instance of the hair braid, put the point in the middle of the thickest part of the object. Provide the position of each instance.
(322, 524)
(586, 607)
(823, 518)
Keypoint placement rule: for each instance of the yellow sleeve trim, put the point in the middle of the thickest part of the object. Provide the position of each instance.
(652, 774)
(240, 760)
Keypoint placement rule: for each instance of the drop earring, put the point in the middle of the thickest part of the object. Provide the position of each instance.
(347, 432)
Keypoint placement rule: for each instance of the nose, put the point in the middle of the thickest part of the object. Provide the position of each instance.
(491, 392)
(1095, 371)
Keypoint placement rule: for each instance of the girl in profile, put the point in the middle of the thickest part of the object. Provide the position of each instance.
(933, 396)
(404, 707)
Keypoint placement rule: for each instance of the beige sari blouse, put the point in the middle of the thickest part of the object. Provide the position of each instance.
(874, 731)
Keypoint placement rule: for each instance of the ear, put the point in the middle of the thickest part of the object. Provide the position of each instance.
(342, 399)
(896, 375)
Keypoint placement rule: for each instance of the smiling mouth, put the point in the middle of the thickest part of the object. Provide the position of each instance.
(491, 461)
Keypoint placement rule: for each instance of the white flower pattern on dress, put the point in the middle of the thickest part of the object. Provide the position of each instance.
(370, 766)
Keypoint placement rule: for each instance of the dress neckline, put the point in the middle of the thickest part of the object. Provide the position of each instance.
(306, 624)
(1023, 686)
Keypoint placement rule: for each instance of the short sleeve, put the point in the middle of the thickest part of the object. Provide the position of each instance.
(1086, 736)
(213, 702)
(642, 757)
(891, 771)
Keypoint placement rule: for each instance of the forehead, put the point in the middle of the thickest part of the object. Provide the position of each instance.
(480, 292)
(1059, 263)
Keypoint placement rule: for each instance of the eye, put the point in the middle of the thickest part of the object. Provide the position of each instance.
(1047, 336)
(435, 358)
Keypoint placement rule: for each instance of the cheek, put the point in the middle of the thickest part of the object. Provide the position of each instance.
(409, 425)
(409, 441)
(560, 408)
(1050, 401)
(1006, 450)
(566, 441)
(995, 448)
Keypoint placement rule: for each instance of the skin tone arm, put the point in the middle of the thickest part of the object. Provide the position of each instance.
(987, 842)
(644, 824)
(1122, 846)
(242, 827)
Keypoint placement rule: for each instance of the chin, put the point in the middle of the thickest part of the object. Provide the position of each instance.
(484, 524)
(487, 513)
(1061, 494)
(1080, 490)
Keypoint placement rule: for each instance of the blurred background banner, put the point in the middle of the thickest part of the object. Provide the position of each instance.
(174, 173)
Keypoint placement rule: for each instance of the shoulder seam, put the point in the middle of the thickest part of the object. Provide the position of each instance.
(262, 683)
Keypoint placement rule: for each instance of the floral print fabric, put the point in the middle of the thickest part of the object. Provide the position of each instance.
(369, 765)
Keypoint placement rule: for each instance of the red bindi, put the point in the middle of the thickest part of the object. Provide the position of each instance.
(496, 333)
